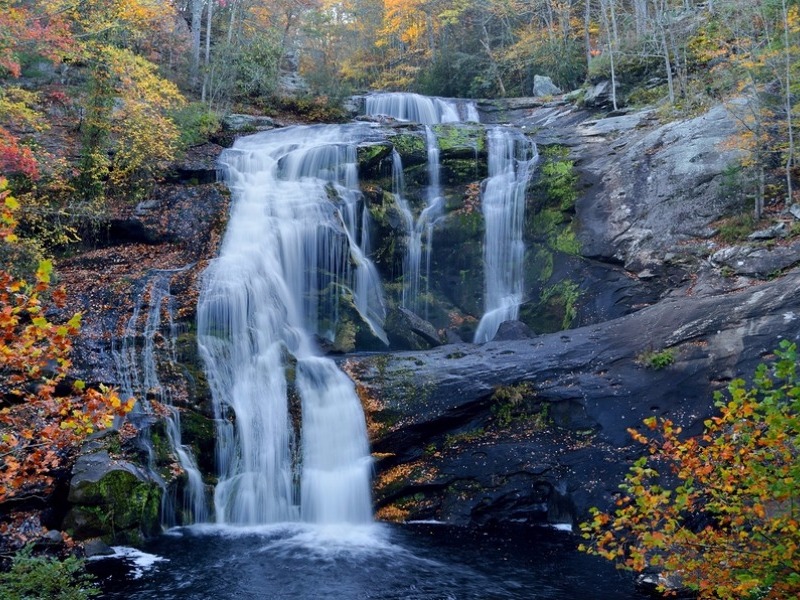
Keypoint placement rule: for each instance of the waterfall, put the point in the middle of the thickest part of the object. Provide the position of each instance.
(511, 159)
(138, 370)
(290, 256)
(426, 111)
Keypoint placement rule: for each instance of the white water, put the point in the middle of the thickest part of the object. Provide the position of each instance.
(511, 160)
(288, 258)
(426, 111)
(138, 369)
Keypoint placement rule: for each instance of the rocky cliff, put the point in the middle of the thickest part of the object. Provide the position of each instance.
(623, 262)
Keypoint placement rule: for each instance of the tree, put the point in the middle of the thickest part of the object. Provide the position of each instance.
(720, 510)
(42, 418)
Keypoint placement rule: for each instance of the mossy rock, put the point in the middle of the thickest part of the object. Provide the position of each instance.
(370, 157)
(113, 500)
(462, 171)
(461, 140)
(198, 432)
(555, 310)
(411, 146)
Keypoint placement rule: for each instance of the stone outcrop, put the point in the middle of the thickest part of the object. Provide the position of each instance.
(536, 430)
(649, 189)
(544, 86)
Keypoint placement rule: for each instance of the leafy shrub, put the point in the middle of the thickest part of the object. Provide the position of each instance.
(737, 228)
(717, 511)
(196, 123)
(32, 577)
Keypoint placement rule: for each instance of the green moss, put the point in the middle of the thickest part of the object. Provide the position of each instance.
(120, 508)
(198, 431)
(546, 224)
(518, 404)
(557, 178)
(567, 242)
(411, 147)
(554, 195)
(540, 265)
(555, 310)
(465, 437)
(369, 156)
(462, 171)
(345, 340)
(461, 139)
(657, 360)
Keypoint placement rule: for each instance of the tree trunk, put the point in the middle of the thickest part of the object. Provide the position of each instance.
(208, 32)
(197, 20)
(495, 71)
(587, 21)
(611, 39)
(788, 99)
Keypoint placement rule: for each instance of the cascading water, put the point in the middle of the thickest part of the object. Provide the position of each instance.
(288, 259)
(511, 159)
(426, 111)
(138, 370)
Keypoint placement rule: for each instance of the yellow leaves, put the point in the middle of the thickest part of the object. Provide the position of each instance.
(44, 271)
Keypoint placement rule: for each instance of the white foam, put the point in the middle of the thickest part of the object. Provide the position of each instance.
(141, 561)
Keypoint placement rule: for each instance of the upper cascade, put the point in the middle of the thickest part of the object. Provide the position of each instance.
(511, 160)
(420, 229)
(421, 109)
(289, 261)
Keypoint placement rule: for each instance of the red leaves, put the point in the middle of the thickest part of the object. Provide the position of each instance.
(16, 159)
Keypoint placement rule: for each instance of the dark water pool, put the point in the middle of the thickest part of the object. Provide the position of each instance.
(382, 562)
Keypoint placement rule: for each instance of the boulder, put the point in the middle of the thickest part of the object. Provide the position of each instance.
(97, 547)
(247, 123)
(199, 164)
(650, 189)
(598, 95)
(513, 330)
(407, 331)
(544, 86)
(778, 230)
(758, 261)
(112, 499)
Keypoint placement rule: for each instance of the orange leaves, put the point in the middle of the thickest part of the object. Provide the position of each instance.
(38, 428)
(742, 475)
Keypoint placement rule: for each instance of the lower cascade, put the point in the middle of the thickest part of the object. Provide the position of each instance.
(290, 256)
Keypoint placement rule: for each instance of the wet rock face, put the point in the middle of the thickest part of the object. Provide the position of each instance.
(647, 188)
(535, 430)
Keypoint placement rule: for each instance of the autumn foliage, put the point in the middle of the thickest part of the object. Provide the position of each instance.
(42, 420)
(718, 511)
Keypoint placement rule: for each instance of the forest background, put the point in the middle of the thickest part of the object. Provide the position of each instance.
(97, 97)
